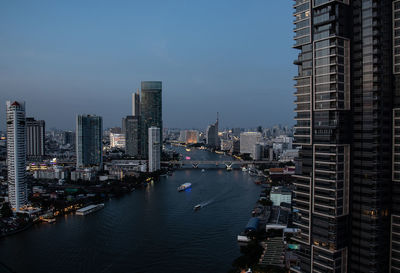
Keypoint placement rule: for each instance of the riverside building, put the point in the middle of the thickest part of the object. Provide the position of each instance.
(346, 111)
(16, 154)
(35, 135)
(150, 112)
(89, 144)
(154, 149)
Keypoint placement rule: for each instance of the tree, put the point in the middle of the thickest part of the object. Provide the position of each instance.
(6, 210)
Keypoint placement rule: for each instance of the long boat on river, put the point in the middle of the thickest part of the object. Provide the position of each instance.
(89, 209)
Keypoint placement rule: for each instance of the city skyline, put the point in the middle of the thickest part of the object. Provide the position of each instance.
(222, 64)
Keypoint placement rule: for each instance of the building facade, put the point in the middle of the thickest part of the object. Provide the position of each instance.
(117, 141)
(35, 137)
(154, 149)
(212, 139)
(248, 141)
(344, 101)
(16, 154)
(151, 112)
(132, 130)
(68, 138)
(136, 103)
(89, 144)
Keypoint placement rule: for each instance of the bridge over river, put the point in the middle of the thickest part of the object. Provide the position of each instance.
(227, 163)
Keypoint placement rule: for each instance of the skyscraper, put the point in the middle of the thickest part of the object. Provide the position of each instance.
(136, 103)
(132, 130)
(212, 139)
(345, 89)
(16, 154)
(89, 145)
(150, 111)
(35, 135)
(154, 149)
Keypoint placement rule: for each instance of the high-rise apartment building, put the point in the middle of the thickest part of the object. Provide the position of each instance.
(150, 112)
(345, 92)
(35, 136)
(154, 149)
(132, 130)
(16, 154)
(89, 145)
(248, 143)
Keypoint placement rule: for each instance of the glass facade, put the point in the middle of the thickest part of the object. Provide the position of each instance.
(345, 94)
(151, 112)
(132, 131)
(89, 141)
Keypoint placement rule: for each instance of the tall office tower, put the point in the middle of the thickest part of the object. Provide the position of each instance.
(136, 103)
(344, 101)
(154, 149)
(212, 138)
(35, 135)
(150, 111)
(132, 125)
(16, 154)
(89, 145)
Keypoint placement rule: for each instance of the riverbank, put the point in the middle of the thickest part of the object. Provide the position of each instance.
(59, 200)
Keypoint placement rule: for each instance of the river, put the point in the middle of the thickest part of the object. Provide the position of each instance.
(149, 230)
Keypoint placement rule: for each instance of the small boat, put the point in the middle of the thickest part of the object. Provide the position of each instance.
(244, 169)
(184, 186)
(197, 207)
(229, 168)
(202, 170)
(187, 150)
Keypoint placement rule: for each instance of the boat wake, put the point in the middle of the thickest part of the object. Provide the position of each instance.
(206, 203)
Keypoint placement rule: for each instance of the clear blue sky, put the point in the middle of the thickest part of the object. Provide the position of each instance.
(70, 57)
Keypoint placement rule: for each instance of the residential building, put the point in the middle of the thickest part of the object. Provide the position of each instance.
(154, 149)
(248, 141)
(132, 131)
(346, 91)
(35, 136)
(280, 195)
(117, 140)
(16, 154)
(89, 145)
(151, 112)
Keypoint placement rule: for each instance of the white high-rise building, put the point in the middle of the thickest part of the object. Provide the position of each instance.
(248, 141)
(154, 149)
(16, 154)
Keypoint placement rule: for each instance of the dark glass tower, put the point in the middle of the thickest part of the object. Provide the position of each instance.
(35, 136)
(132, 131)
(89, 145)
(151, 111)
(345, 94)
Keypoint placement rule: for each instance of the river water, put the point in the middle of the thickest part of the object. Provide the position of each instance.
(150, 230)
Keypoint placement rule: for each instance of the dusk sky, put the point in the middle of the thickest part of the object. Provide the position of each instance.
(73, 57)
